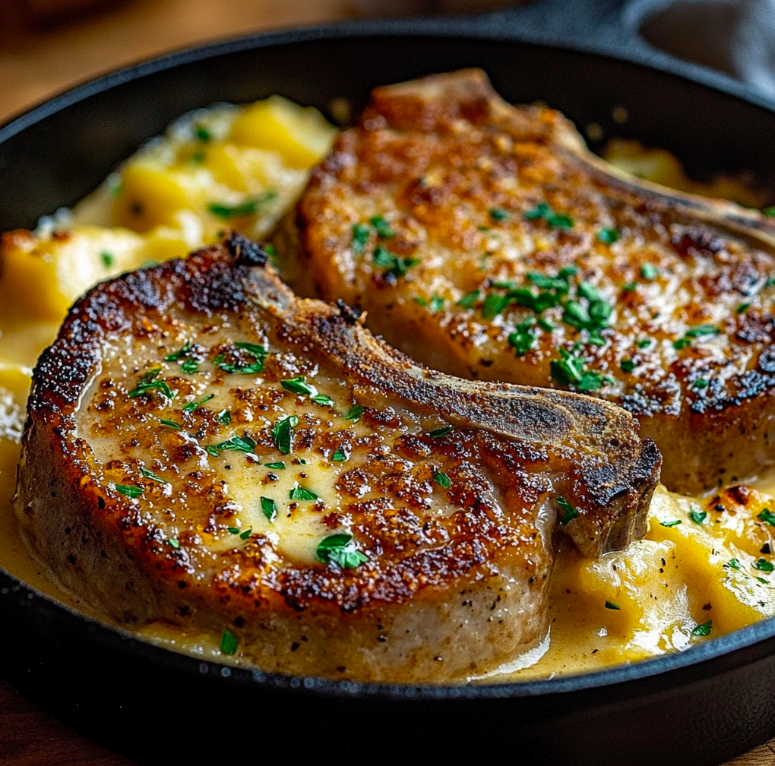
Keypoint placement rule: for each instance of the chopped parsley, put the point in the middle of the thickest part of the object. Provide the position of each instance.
(695, 332)
(181, 353)
(608, 236)
(703, 630)
(192, 406)
(700, 383)
(494, 303)
(339, 456)
(567, 511)
(130, 490)
(627, 365)
(360, 237)
(201, 133)
(224, 417)
(190, 366)
(438, 433)
(150, 383)
(173, 543)
(742, 308)
(611, 605)
(763, 565)
(649, 271)
(170, 424)
(542, 212)
(297, 385)
(569, 370)
(340, 549)
(269, 507)
(322, 400)
(108, 259)
(257, 356)
(469, 300)
(152, 476)
(672, 523)
(229, 642)
(236, 443)
(354, 413)
(733, 564)
(522, 339)
(392, 264)
(767, 516)
(436, 302)
(278, 466)
(246, 534)
(697, 516)
(382, 227)
(769, 212)
(242, 209)
(644, 343)
(629, 287)
(300, 493)
(442, 479)
(282, 433)
(499, 214)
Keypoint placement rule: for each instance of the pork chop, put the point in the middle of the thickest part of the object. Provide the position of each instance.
(484, 240)
(205, 449)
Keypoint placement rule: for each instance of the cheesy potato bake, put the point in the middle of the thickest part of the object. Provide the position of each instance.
(706, 563)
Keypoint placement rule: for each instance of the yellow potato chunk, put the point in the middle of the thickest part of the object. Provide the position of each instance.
(300, 135)
(61, 269)
(149, 197)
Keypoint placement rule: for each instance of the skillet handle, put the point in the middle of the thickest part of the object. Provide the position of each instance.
(605, 26)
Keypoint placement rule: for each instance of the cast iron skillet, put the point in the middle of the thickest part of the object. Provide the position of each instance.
(699, 707)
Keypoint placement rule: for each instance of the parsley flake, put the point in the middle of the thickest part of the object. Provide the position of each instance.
(257, 356)
(360, 237)
(297, 385)
(703, 630)
(767, 516)
(242, 209)
(152, 476)
(236, 443)
(611, 605)
(192, 406)
(469, 300)
(201, 133)
(392, 264)
(181, 353)
(442, 479)
(322, 400)
(627, 365)
(282, 433)
(278, 466)
(382, 227)
(733, 564)
(649, 271)
(224, 417)
(150, 383)
(170, 424)
(438, 433)
(608, 236)
(499, 214)
(269, 507)
(300, 493)
(673, 523)
(567, 511)
(246, 534)
(742, 308)
(763, 565)
(644, 343)
(354, 413)
(697, 516)
(340, 549)
(190, 366)
(521, 340)
(108, 259)
(542, 211)
(229, 642)
(173, 543)
(130, 490)
(339, 456)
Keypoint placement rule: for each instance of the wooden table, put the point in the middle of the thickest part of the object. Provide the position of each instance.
(33, 67)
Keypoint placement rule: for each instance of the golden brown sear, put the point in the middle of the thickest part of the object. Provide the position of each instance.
(486, 241)
(205, 449)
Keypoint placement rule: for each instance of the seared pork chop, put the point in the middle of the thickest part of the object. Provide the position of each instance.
(484, 240)
(206, 449)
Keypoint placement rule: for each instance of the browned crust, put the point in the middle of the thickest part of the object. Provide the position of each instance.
(454, 128)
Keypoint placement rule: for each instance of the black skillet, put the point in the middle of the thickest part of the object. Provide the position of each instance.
(703, 706)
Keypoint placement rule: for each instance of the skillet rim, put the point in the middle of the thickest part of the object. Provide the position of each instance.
(487, 27)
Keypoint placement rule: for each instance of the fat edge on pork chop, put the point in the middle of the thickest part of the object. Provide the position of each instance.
(484, 240)
(205, 449)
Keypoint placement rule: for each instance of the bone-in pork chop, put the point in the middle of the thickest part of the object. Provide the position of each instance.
(205, 449)
(484, 240)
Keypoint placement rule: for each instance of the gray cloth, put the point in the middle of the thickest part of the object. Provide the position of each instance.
(736, 36)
